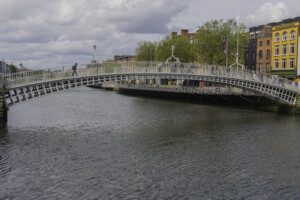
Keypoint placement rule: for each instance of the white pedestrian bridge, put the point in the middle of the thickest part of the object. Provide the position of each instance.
(31, 84)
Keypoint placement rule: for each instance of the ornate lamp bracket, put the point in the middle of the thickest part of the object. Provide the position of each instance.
(172, 56)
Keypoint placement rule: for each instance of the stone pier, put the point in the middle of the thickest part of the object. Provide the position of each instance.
(3, 109)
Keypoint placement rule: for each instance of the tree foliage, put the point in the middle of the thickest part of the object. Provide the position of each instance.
(207, 48)
(146, 51)
(210, 41)
(12, 68)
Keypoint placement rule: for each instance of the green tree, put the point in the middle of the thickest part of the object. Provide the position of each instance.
(146, 51)
(207, 48)
(210, 39)
(12, 68)
(183, 49)
(164, 49)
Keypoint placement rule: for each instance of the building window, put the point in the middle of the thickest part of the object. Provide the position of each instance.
(259, 67)
(293, 35)
(292, 63)
(276, 64)
(260, 43)
(268, 54)
(284, 49)
(260, 54)
(277, 37)
(292, 50)
(284, 36)
(253, 55)
(268, 43)
(283, 63)
(276, 50)
(268, 67)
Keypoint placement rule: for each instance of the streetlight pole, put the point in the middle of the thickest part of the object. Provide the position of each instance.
(226, 42)
(237, 64)
(172, 56)
(155, 54)
(94, 56)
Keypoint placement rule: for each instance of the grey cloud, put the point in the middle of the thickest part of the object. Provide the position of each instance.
(58, 32)
(268, 12)
(147, 16)
(67, 29)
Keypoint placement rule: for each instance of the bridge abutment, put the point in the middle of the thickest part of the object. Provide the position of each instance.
(3, 109)
(291, 109)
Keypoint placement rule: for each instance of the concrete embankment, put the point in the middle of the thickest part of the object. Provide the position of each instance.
(106, 86)
(208, 95)
(291, 109)
(242, 100)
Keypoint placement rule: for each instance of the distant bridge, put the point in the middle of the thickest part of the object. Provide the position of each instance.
(24, 86)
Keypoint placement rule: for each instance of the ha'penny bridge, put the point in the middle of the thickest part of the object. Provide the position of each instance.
(28, 85)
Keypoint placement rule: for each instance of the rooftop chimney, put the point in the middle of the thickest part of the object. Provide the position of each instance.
(184, 32)
(174, 34)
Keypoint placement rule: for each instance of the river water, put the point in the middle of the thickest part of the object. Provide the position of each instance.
(93, 144)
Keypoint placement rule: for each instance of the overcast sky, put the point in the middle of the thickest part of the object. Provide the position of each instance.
(49, 33)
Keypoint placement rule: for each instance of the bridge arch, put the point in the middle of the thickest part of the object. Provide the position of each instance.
(30, 86)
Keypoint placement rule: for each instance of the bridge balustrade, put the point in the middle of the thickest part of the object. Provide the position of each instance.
(35, 76)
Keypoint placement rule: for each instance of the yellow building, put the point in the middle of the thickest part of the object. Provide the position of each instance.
(285, 50)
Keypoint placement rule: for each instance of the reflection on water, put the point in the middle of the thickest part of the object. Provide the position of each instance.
(88, 144)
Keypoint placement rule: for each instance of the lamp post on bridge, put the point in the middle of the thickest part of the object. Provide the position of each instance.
(94, 57)
(172, 56)
(237, 64)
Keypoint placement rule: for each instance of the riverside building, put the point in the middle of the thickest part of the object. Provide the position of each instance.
(185, 33)
(258, 55)
(251, 52)
(264, 49)
(286, 51)
(275, 48)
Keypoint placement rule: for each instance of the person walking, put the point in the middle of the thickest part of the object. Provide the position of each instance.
(74, 68)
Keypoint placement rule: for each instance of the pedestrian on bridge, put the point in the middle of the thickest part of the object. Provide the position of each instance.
(74, 68)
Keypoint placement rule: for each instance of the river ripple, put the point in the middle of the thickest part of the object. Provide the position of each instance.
(93, 144)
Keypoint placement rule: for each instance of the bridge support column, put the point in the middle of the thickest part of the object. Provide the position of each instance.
(3, 109)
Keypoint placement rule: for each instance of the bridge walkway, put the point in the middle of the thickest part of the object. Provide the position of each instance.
(35, 83)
